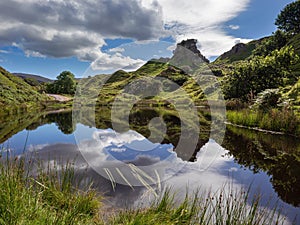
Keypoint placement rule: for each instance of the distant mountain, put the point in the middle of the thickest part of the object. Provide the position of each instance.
(38, 78)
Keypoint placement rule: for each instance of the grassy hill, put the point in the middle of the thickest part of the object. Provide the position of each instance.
(165, 81)
(242, 51)
(115, 84)
(15, 92)
(239, 52)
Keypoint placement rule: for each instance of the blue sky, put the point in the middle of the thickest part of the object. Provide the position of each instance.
(47, 37)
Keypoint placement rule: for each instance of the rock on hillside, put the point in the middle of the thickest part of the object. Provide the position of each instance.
(191, 44)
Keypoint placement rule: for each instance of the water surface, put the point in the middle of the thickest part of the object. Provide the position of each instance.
(269, 163)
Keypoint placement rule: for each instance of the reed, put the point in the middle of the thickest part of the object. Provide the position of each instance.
(285, 120)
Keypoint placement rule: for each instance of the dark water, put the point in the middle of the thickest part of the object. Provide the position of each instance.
(269, 163)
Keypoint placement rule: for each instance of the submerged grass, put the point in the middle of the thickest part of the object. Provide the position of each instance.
(285, 121)
(52, 196)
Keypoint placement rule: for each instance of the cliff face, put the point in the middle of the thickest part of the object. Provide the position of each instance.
(191, 44)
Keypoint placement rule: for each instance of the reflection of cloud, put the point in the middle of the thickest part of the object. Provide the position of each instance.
(233, 169)
(179, 174)
(109, 137)
(111, 150)
(33, 148)
(127, 146)
(4, 51)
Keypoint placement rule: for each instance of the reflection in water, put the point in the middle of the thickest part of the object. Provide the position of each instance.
(34, 130)
(271, 162)
(277, 155)
(213, 168)
(63, 121)
(12, 124)
(140, 120)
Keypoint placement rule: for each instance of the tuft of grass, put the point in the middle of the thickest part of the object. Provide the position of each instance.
(48, 198)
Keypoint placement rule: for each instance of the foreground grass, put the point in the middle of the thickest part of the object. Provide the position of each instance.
(285, 121)
(223, 208)
(48, 198)
(53, 197)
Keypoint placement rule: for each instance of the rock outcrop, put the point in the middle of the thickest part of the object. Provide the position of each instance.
(191, 44)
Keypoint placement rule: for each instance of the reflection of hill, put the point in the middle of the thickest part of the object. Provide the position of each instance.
(277, 155)
(12, 124)
(141, 117)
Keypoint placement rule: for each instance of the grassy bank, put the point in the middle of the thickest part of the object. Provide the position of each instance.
(274, 120)
(53, 197)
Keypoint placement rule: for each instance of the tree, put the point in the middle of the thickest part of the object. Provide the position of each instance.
(65, 84)
(260, 73)
(278, 40)
(288, 19)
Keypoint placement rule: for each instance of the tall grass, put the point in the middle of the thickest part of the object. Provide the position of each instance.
(227, 207)
(52, 197)
(285, 121)
(48, 198)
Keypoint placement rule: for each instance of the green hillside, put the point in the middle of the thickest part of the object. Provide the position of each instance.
(243, 51)
(240, 51)
(274, 60)
(164, 82)
(15, 92)
(263, 51)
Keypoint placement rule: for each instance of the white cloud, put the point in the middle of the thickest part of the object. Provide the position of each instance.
(234, 27)
(203, 20)
(115, 62)
(78, 28)
(117, 49)
(201, 13)
(213, 42)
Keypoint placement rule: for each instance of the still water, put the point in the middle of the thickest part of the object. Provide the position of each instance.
(269, 163)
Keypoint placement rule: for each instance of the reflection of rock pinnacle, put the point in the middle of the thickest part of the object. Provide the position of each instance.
(190, 44)
(158, 130)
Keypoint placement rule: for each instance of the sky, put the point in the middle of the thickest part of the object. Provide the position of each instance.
(46, 37)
